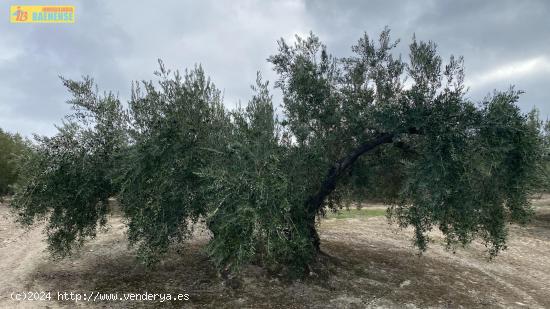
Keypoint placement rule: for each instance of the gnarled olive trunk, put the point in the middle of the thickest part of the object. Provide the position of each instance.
(315, 202)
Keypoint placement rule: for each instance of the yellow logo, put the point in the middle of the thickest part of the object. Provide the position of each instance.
(42, 14)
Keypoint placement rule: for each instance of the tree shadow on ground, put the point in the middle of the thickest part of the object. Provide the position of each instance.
(353, 276)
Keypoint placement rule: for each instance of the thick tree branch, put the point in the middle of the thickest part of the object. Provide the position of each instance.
(315, 202)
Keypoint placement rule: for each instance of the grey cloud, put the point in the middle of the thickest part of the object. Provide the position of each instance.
(31, 95)
(489, 34)
(119, 41)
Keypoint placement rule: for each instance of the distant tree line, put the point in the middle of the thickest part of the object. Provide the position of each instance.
(11, 146)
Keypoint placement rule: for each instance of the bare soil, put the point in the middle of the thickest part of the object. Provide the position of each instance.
(371, 265)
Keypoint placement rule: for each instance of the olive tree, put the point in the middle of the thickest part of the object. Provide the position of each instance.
(368, 126)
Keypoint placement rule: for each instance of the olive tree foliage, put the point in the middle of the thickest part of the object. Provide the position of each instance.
(371, 125)
(69, 177)
(253, 203)
(171, 129)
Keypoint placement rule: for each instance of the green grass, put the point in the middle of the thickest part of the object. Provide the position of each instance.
(354, 213)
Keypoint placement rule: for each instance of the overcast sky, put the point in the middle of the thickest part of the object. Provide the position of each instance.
(503, 42)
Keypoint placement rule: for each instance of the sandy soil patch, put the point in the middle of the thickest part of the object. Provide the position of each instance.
(370, 265)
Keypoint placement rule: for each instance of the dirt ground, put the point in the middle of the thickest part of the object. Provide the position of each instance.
(371, 265)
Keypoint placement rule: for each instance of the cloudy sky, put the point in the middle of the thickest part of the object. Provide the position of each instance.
(504, 43)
